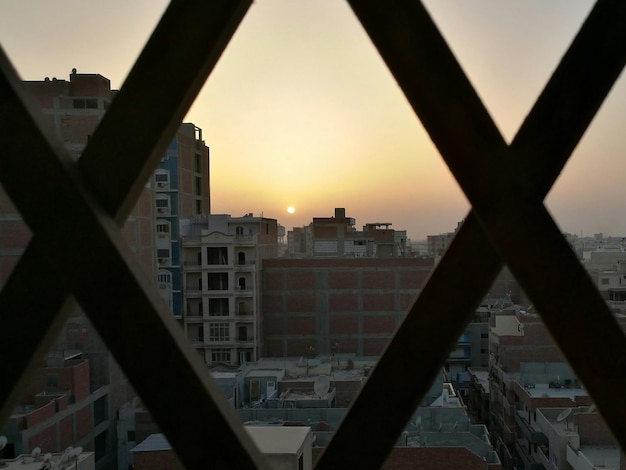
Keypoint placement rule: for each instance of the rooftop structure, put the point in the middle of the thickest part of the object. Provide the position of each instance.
(71, 459)
(337, 237)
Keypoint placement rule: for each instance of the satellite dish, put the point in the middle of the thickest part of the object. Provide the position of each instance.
(36, 453)
(321, 385)
(3, 442)
(47, 457)
(563, 415)
(76, 452)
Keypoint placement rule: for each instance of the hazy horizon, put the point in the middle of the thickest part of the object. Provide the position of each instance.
(301, 111)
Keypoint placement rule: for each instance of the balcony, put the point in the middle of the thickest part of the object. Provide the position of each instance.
(245, 316)
(245, 343)
(245, 267)
(193, 317)
(192, 265)
(244, 240)
(243, 292)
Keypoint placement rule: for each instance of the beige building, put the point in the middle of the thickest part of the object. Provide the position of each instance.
(221, 269)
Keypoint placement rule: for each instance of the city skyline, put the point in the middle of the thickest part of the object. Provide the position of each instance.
(301, 112)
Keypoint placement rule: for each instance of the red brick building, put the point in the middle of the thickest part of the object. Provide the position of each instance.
(342, 306)
(58, 409)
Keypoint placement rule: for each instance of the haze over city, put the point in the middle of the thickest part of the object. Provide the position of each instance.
(301, 112)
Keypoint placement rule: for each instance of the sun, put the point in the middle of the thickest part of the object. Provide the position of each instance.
(291, 209)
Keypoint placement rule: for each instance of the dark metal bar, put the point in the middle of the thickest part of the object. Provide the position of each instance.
(416, 354)
(159, 90)
(552, 112)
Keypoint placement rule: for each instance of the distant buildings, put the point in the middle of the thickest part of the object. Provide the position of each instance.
(292, 406)
(336, 237)
(527, 372)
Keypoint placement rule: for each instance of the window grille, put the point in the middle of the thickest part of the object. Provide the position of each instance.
(181, 53)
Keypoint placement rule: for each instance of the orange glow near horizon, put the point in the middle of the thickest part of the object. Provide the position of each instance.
(301, 109)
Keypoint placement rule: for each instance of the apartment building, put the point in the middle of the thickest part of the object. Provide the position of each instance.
(71, 111)
(181, 184)
(527, 371)
(61, 409)
(221, 281)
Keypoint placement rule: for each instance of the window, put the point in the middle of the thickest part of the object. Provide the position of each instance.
(218, 307)
(219, 332)
(163, 227)
(217, 255)
(605, 281)
(162, 202)
(85, 103)
(197, 160)
(220, 355)
(198, 186)
(161, 179)
(217, 281)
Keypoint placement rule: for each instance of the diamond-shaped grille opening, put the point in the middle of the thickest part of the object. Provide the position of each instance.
(461, 129)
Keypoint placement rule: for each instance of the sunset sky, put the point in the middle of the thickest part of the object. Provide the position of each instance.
(301, 111)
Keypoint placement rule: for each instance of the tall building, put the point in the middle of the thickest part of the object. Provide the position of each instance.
(181, 183)
(72, 109)
(221, 274)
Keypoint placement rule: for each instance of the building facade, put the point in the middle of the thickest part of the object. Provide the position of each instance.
(324, 306)
(221, 270)
(181, 184)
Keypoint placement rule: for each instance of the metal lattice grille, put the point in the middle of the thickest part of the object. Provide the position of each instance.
(182, 51)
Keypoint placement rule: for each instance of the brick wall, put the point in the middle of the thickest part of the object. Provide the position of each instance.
(336, 305)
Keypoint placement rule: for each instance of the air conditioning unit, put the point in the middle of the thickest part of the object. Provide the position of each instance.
(162, 285)
(161, 184)
(162, 235)
(163, 260)
(161, 210)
